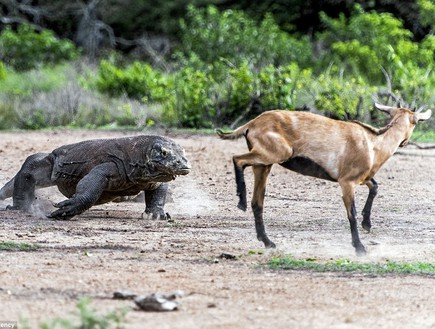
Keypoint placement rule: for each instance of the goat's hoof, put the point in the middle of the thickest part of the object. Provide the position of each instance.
(269, 245)
(242, 206)
(366, 226)
(361, 251)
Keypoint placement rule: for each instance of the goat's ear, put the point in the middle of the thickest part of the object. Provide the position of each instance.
(384, 108)
(421, 116)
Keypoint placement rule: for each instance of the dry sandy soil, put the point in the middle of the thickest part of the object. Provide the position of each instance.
(110, 247)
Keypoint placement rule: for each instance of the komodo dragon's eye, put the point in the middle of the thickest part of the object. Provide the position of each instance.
(165, 152)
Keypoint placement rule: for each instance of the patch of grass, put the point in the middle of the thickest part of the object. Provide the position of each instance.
(17, 246)
(87, 318)
(346, 265)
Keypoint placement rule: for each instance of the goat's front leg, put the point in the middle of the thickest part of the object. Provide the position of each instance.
(348, 191)
(260, 179)
(373, 190)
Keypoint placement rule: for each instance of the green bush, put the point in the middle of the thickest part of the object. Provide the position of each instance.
(427, 12)
(26, 48)
(340, 98)
(281, 86)
(204, 96)
(234, 36)
(138, 80)
(366, 42)
(191, 103)
(239, 88)
(414, 85)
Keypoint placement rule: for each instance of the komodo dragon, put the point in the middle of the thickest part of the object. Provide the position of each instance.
(98, 171)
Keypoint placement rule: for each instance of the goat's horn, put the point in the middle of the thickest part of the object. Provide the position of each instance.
(384, 108)
(422, 116)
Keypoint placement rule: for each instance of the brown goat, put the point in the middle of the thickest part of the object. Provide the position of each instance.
(349, 153)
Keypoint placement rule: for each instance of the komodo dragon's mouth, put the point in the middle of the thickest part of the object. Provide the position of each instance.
(183, 171)
(166, 177)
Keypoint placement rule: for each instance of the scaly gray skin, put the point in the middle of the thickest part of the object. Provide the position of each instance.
(98, 171)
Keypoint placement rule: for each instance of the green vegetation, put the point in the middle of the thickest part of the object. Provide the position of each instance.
(424, 136)
(87, 318)
(17, 246)
(211, 35)
(227, 65)
(27, 49)
(32, 81)
(345, 265)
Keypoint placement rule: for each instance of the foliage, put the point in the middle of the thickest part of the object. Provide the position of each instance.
(133, 20)
(423, 135)
(87, 318)
(191, 103)
(415, 84)
(202, 96)
(233, 35)
(228, 68)
(2, 71)
(281, 85)
(138, 80)
(345, 265)
(338, 97)
(427, 12)
(369, 41)
(26, 49)
(54, 96)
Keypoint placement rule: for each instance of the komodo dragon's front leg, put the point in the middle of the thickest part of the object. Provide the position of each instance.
(88, 191)
(155, 198)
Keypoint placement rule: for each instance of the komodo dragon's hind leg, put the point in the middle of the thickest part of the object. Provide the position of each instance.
(155, 199)
(34, 173)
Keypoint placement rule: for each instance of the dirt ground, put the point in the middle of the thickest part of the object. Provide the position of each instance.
(110, 247)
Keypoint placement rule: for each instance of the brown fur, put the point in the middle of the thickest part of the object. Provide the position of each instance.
(347, 152)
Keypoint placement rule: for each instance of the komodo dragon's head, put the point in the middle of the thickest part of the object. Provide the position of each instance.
(167, 160)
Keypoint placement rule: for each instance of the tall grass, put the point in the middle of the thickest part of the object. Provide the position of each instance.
(27, 83)
(56, 96)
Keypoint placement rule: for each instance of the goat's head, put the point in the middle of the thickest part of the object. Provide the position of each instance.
(406, 117)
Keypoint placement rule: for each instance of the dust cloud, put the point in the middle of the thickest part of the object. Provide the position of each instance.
(41, 207)
(190, 199)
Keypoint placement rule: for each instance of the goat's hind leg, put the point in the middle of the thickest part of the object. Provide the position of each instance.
(260, 179)
(373, 190)
(34, 173)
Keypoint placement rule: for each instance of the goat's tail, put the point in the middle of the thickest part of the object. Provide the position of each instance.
(235, 134)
